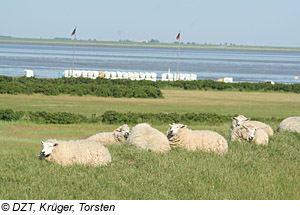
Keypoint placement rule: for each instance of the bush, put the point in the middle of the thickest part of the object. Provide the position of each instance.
(10, 115)
(56, 118)
(80, 86)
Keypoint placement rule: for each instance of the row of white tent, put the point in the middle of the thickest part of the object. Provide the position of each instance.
(181, 76)
(152, 76)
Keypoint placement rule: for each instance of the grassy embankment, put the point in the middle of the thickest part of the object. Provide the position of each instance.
(247, 171)
(150, 45)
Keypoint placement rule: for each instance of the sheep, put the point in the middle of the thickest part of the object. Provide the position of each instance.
(260, 137)
(145, 137)
(71, 152)
(239, 133)
(290, 124)
(240, 120)
(107, 138)
(249, 133)
(203, 140)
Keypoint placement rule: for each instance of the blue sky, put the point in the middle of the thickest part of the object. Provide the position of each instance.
(251, 22)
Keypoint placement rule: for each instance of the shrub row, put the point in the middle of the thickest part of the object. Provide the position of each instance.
(125, 88)
(79, 86)
(214, 85)
(45, 117)
(113, 117)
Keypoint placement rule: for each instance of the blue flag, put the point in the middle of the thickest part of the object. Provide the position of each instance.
(74, 32)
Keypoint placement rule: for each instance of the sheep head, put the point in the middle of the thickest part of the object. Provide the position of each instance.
(122, 133)
(240, 120)
(47, 149)
(250, 131)
(175, 129)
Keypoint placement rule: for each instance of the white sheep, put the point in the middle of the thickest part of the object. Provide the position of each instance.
(71, 152)
(239, 133)
(107, 138)
(145, 137)
(203, 140)
(241, 120)
(249, 133)
(290, 124)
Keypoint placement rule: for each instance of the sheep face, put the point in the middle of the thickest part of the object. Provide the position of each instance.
(240, 120)
(47, 149)
(122, 132)
(250, 131)
(174, 129)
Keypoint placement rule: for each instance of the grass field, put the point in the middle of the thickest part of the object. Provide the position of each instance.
(247, 171)
(251, 104)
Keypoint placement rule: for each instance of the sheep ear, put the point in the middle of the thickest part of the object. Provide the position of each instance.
(170, 125)
(55, 144)
(42, 142)
(118, 130)
(248, 119)
(183, 126)
(233, 118)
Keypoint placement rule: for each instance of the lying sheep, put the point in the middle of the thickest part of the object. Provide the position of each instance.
(239, 133)
(240, 120)
(290, 124)
(249, 133)
(107, 138)
(204, 140)
(145, 137)
(71, 152)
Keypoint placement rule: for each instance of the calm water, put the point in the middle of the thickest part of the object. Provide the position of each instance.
(252, 66)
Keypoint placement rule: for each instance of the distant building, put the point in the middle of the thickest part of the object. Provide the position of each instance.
(62, 38)
(2, 36)
(143, 41)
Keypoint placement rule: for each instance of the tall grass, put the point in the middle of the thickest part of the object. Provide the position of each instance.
(247, 171)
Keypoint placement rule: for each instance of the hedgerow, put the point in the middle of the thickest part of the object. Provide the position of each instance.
(113, 117)
(79, 86)
(221, 86)
(125, 88)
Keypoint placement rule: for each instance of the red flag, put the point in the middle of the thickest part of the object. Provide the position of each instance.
(178, 36)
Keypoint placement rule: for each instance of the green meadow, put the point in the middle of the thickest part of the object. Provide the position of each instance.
(251, 104)
(247, 171)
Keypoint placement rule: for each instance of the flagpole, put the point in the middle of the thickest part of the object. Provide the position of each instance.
(73, 53)
(178, 53)
(73, 33)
